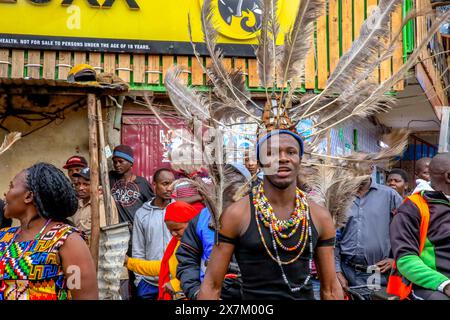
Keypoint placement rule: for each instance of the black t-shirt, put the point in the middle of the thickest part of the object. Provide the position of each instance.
(129, 197)
(4, 223)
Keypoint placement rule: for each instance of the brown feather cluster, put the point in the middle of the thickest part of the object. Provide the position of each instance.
(334, 189)
(9, 140)
(350, 94)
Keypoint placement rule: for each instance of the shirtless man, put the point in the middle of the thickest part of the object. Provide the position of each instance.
(270, 272)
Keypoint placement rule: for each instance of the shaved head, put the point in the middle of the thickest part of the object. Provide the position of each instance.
(422, 168)
(440, 172)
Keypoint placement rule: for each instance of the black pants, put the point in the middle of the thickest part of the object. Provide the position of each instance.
(425, 294)
(132, 288)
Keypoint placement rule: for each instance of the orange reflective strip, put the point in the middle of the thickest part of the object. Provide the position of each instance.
(422, 205)
(396, 286)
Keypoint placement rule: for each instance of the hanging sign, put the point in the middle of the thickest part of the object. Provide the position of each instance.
(140, 26)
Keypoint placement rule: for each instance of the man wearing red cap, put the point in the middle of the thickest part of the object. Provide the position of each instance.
(74, 165)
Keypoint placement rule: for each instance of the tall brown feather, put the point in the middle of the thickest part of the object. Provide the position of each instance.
(363, 53)
(266, 50)
(9, 140)
(219, 75)
(298, 41)
(335, 189)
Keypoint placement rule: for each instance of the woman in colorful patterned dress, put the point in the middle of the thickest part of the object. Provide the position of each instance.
(45, 258)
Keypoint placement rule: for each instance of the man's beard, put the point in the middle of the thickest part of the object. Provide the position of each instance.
(281, 186)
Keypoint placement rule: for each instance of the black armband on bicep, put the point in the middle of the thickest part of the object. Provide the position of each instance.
(223, 238)
(327, 242)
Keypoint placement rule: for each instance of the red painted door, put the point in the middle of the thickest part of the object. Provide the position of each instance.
(150, 141)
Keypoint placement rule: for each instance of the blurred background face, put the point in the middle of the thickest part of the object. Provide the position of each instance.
(176, 228)
(121, 166)
(251, 164)
(71, 171)
(424, 173)
(15, 198)
(164, 185)
(83, 188)
(396, 182)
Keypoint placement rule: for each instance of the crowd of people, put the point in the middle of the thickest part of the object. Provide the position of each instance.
(273, 243)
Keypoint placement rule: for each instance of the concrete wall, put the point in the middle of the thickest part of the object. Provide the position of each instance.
(53, 143)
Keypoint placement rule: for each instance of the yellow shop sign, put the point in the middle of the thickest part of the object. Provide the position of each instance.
(145, 26)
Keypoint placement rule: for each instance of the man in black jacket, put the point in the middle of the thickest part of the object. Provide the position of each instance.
(4, 223)
(193, 256)
(196, 246)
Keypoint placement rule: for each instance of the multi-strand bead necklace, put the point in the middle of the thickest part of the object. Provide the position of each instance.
(280, 229)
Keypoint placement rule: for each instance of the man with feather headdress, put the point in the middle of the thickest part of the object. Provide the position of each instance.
(275, 233)
(277, 230)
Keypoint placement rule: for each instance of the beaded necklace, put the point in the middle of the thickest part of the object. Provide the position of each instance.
(298, 217)
(264, 214)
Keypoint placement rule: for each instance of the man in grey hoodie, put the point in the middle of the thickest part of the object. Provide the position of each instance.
(150, 234)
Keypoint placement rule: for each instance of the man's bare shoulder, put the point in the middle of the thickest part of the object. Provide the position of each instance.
(236, 209)
(321, 217)
(318, 210)
(234, 219)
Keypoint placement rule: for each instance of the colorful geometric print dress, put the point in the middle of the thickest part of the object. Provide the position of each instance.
(31, 270)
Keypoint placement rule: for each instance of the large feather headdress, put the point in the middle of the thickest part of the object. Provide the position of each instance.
(350, 93)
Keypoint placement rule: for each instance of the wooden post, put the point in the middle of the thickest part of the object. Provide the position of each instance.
(104, 166)
(93, 154)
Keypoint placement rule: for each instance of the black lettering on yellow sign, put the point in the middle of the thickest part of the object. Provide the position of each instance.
(132, 4)
(40, 1)
(92, 3)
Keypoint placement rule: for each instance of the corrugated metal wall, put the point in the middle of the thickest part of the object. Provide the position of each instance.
(150, 141)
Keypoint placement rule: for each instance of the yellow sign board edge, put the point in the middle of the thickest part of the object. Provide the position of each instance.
(13, 41)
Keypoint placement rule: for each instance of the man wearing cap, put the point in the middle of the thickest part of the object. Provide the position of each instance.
(129, 190)
(73, 165)
(275, 269)
(82, 218)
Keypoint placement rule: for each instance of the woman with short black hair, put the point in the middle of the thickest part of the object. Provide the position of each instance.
(45, 258)
(398, 180)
